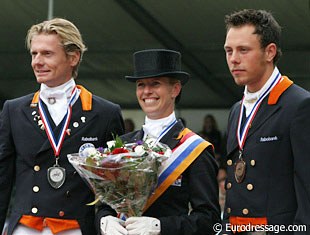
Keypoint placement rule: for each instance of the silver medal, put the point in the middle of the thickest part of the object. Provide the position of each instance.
(56, 175)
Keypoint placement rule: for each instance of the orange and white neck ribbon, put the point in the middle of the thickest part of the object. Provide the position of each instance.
(190, 147)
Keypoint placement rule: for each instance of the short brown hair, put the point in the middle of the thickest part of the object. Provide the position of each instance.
(265, 25)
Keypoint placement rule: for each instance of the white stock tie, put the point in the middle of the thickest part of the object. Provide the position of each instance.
(57, 104)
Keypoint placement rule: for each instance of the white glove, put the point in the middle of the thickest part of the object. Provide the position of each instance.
(110, 225)
(142, 226)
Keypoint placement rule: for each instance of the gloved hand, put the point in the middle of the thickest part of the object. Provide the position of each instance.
(142, 226)
(110, 225)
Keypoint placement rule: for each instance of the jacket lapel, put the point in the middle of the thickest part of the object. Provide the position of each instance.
(270, 105)
(232, 142)
(82, 114)
(267, 109)
(80, 119)
(32, 114)
(264, 113)
(174, 133)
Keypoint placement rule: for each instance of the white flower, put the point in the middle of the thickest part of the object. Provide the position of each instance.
(150, 141)
(91, 151)
(111, 144)
(168, 153)
(139, 150)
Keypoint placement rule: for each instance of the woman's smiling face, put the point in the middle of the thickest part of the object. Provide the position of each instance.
(156, 96)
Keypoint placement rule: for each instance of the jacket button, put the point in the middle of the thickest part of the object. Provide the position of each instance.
(68, 193)
(228, 210)
(228, 186)
(61, 213)
(250, 187)
(245, 211)
(252, 162)
(35, 189)
(36, 168)
(34, 210)
(229, 162)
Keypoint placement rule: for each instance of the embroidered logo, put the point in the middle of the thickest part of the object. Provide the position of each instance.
(269, 138)
(89, 138)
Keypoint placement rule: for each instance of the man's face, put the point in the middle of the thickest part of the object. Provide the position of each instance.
(156, 96)
(248, 62)
(50, 63)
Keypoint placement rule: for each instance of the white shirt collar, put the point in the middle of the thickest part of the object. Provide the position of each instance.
(67, 87)
(251, 98)
(57, 99)
(153, 128)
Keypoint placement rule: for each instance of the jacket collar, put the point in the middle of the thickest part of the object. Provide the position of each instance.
(268, 106)
(278, 90)
(85, 95)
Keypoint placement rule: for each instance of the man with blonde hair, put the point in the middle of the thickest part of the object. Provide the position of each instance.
(38, 130)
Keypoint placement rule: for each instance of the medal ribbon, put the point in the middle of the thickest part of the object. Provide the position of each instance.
(56, 143)
(165, 131)
(242, 132)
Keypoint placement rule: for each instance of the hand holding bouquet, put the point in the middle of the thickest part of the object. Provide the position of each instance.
(122, 175)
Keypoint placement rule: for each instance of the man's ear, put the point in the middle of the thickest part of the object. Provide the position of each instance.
(74, 58)
(271, 51)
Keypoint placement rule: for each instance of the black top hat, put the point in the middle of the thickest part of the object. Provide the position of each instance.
(157, 63)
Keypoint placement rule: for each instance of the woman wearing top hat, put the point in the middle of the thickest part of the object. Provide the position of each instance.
(189, 203)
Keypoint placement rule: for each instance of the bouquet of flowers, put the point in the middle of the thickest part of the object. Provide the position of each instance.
(121, 175)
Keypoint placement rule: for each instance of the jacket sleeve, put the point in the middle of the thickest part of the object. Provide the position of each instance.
(300, 136)
(203, 197)
(7, 163)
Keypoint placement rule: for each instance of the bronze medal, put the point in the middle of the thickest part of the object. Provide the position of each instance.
(56, 176)
(240, 167)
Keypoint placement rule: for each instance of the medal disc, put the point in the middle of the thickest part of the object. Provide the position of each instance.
(56, 176)
(240, 168)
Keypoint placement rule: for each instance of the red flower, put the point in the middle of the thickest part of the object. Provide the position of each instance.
(119, 150)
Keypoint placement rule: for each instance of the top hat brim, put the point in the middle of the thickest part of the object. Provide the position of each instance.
(182, 76)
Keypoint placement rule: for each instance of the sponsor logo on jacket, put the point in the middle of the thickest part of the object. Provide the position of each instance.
(89, 138)
(269, 138)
